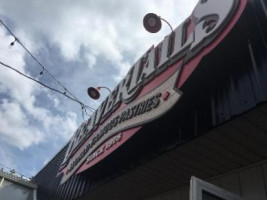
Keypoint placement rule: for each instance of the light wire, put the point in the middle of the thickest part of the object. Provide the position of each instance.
(46, 86)
(70, 96)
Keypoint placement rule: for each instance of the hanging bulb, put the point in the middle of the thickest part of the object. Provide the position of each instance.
(41, 73)
(13, 43)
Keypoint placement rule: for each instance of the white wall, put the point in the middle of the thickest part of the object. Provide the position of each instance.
(12, 191)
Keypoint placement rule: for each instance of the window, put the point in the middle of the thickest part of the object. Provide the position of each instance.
(202, 190)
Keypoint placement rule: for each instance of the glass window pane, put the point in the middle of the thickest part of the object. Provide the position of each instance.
(208, 196)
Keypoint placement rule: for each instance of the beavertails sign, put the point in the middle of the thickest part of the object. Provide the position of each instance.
(151, 87)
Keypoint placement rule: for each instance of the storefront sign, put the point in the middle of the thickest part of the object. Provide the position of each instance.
(151, 87)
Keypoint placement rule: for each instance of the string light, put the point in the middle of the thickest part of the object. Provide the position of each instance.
(83, 106)
(41, 73)
(12, 43)
(66, 92)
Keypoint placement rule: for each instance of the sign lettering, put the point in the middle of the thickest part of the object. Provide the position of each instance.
(151, 87)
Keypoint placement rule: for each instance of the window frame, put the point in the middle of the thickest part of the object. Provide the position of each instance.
(197, 186)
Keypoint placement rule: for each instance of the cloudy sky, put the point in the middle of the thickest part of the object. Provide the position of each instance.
(83, 43)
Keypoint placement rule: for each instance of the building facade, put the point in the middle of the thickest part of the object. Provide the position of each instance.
(13, 187)
(189, 121)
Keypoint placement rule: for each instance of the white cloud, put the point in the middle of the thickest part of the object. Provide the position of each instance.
(15, 127)
(55, 101)
(95, 30)
(91, 60)
(7, 157)
(19, 106)
(104, 28)
(123, 69)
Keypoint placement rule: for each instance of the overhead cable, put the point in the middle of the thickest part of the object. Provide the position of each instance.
(46, 86)
(70, 96)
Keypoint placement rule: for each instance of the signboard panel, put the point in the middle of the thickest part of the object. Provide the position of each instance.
(151, 87)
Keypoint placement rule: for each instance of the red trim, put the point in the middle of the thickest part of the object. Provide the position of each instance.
(187, 70)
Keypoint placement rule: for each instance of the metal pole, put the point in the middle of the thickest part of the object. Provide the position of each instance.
(105, 88)
(166, 23)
